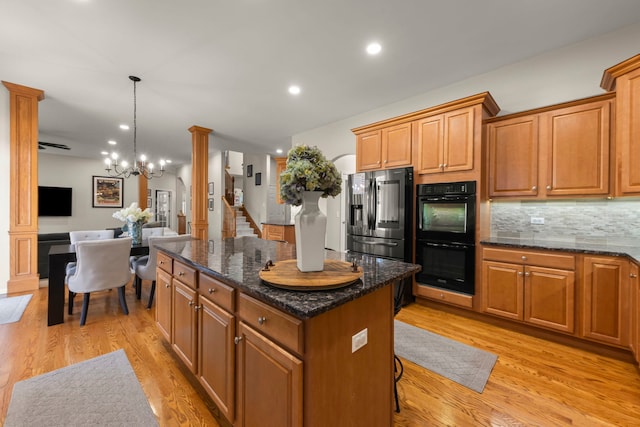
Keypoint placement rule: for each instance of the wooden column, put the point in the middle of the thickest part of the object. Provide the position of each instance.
(23, 216)
(199, 179)
(143, 185)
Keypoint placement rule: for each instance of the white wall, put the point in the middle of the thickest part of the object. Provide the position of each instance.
(184, 174)
(561, 75)
(216, 175)
(255, 196)
(4, 189)
(77, 173)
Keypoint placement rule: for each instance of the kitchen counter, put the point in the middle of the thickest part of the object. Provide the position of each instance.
(237, 262)
(586, 246)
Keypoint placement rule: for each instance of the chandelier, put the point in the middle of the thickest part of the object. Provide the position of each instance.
(139, 167)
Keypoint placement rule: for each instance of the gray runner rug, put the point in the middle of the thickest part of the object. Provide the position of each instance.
(100, 391)
(11, 308)
(459, 362)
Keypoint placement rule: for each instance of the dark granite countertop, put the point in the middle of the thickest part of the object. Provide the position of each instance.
(278, 223)
(237, 262)
(609, 247)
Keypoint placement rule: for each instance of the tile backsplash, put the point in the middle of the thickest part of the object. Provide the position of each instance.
(588, 220)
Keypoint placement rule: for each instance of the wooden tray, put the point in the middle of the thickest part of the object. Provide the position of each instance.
(336, 274)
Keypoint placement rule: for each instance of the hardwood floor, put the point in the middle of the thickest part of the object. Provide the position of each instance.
(534, 382)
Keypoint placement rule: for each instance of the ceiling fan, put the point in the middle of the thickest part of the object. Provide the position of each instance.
(43, 146)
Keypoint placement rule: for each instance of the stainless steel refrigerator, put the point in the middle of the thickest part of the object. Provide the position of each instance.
(379, 216)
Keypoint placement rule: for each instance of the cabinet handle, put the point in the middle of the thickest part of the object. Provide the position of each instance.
(548, 187)
(237, 340)
(534, 188)
(211, 290)
(261, 320)
(524, 258)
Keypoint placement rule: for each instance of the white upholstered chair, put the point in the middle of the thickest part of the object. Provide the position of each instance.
(148, 232)
(79, 236)
(101, 265)
(145, 267)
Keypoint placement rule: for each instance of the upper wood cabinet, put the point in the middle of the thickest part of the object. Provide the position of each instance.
(561, 150)
(624, 79)
(385, 148)
(281, 165)
(440, 139)
(445, 142)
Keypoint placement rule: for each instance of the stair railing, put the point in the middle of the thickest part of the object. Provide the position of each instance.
(228, 220)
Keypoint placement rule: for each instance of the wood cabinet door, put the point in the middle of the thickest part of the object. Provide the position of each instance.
(369, 151)
(396, 146)
(458, 140)
(430, 141)
(281, 165)
(577, 149)
(269, 382)
(184, 326)
(164, 298)
(216, 355)
(503, 289)
(513, 157)
(628, 132)
(634, 291)
(606, 300)
(549, 298)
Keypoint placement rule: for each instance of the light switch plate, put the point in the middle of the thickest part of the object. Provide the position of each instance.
(359, 340)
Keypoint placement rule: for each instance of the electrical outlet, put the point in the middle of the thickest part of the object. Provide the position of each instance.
(537, 220)
(359, 340)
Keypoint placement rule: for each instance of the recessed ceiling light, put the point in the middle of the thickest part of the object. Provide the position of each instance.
(374, 48)
(112, 142)
(279, 151)
(124, 127)
(294, 90)
(104, 153)
(168, 161)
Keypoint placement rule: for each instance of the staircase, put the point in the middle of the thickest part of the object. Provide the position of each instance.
(242, 225)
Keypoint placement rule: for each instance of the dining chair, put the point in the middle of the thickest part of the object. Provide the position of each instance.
(144, 267)
(101, 265)
(79, 236)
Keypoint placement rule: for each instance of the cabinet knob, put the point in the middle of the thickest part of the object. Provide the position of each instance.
(527, 274)
(442, 296)
(633, 275)
(197, 307)
(211, 290)
(386, 161)
(261, 320)
(180, 273)
(237, 340)
(519, 273)
(167, 285)
(524, 258)
(534, 188)
(444, 165)
(161, 262)
(440, 165)
(548, 187)
(191, 303)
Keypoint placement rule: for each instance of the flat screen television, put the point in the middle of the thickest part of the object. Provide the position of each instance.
(54, 201)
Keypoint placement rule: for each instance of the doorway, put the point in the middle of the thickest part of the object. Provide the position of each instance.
(163, 208)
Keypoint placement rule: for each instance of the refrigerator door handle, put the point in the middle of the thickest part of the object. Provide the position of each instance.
(371, 225)
(367, 242)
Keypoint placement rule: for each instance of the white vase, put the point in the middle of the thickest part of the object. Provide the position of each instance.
(311, 227)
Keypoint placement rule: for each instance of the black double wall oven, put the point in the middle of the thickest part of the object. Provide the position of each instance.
(445, 235)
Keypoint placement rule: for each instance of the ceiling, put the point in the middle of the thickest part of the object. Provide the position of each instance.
(226, 65)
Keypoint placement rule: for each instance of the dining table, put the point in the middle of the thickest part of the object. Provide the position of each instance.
(59, 256)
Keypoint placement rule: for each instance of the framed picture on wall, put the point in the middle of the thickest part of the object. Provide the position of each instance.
(148, 192)
(149, 202)
(249, 171)
(259, 178)
(107, 192)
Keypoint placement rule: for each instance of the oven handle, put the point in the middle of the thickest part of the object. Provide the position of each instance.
(446, 245)
(365, 242)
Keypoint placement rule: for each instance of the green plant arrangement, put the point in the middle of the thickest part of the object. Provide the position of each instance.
(308, 170)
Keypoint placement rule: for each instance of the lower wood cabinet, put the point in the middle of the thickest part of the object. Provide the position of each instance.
(279, 232)
(539, 295)
(634, 290)
(269, 382)
(164, 303)
(184, 324)
(605, 304)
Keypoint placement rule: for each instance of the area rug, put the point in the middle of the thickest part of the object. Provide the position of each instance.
(11, 308)
(100, 391)
(459, 362)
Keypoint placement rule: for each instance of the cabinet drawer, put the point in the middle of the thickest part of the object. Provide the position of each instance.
(185, 274)
(216, 291)
(275, 233)
(445, 296)
(165, 262)
(542, 259)
(283, 328)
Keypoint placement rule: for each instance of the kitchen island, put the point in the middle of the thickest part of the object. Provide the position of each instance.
(274, 357)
